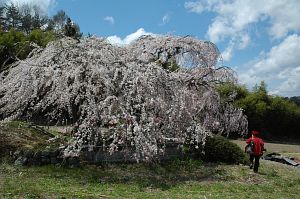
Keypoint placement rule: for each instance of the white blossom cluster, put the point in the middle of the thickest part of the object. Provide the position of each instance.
(121, 98)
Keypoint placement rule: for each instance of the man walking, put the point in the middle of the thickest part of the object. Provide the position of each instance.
(257, 148)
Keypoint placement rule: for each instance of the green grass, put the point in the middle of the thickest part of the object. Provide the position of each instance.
(177, 179)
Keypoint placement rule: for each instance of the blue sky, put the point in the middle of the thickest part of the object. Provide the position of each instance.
(259, 39)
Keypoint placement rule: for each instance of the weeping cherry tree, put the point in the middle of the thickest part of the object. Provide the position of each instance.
(136, 97)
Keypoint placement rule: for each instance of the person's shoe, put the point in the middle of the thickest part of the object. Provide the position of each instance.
(251, 166)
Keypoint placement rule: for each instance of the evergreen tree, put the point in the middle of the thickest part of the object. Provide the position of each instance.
(71, 29)
(50, 25)
(38, 20)
(2, 17)
(295, 99)
(59, 20)
(276, 117)
(13, 18)
(26, 18)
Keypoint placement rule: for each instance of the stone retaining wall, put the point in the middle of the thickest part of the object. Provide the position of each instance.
(99, 156)
(29, 157)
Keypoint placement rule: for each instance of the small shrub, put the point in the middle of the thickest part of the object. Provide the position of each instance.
(220, 149)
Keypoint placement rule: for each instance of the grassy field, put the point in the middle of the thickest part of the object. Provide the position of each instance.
(177, 179)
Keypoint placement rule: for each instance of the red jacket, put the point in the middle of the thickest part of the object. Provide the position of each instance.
(258, 145)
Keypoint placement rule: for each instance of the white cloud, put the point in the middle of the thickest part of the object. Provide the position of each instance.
(280, 64)
(236, 15)
(244, 41)
(227, 54)
(234, 18)
(285, 17)
(44, 5)
(166, 18)
(109, 19)
(291, 86)
(237, 42)
(286, 55)
(195, 6)
(129, 38)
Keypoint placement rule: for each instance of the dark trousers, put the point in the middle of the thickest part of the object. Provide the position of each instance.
(256, 162)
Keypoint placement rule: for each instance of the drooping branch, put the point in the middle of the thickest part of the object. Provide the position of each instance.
(123, 95)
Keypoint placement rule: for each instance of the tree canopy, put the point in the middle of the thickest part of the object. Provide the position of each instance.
(123, 96)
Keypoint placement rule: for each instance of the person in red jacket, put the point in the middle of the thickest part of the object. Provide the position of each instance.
(257, 151)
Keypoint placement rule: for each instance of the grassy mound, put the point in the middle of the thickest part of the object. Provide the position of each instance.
(16, 135)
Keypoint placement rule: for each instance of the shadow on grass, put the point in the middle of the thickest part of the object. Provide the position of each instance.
(161, 176)
(157, 176)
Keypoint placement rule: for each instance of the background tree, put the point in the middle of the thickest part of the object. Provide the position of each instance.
(62, 24)
(13, 17)
(277, 117)
(59, 20)
(2, 17)
(71, 29)
(38, 20)
(295, 99)
(26, 18)
(13, 47)
(40, 37)
(24, 25)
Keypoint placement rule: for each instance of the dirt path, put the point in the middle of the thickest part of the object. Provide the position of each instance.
(284, 149)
